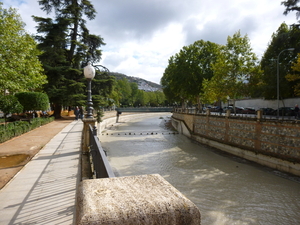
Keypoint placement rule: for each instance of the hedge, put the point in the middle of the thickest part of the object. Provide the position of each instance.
(14, 129)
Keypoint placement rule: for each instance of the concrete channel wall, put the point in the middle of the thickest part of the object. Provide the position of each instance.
(275, 144)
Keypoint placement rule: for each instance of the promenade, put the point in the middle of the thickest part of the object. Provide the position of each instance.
(44, 190)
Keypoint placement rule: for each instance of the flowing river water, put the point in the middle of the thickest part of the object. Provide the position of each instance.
(226, 189)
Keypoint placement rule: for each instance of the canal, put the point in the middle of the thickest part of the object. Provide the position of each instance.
(226, 189)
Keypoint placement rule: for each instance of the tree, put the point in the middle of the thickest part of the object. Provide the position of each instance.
(233, 69)
(102, 88)
(134, 91)
(124, 89)
(169, 83)
(10, 104)
(182, 79)
(141, 99)
(67, 46)
(295, 76)
(292, 5)
(282, 39)
(20, 68)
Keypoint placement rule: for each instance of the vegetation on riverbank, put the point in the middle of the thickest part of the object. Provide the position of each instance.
(13, 129)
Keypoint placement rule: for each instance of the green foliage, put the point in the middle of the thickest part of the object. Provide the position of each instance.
(284, 38)
(206, 72)
(124, 91)
(33, 100)
(10, 130)
(20, 68)
(233, 69)
(10, 104)
(102, 87)
(182, 79)
(100, 114)
(295, 76)
(127, 94)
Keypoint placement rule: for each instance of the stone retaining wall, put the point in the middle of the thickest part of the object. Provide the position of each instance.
(275, 139)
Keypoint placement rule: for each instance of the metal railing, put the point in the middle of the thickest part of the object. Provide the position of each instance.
(99, 163)
(236, 115)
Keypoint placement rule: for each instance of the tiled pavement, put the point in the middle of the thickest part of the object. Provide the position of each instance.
(44, 191)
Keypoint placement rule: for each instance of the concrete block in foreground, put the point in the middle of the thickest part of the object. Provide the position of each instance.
(145, 199)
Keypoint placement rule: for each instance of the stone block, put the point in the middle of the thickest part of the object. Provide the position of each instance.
(145, 199)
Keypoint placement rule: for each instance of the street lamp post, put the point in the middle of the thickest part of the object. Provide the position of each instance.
(89, 73)
(288, 49)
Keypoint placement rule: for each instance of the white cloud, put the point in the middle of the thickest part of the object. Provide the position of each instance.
(142, 35)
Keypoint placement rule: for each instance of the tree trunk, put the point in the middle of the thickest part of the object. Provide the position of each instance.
(199, 108)
(57, 111)
(74, 32)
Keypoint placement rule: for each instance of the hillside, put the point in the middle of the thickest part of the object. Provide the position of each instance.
(142, 84)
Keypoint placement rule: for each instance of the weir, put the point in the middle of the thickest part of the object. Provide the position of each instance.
(145, 109)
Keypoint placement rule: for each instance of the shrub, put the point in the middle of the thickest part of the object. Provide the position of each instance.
(10, 130)
(33, 100)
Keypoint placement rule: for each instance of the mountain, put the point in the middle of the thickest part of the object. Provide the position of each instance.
(142, 84)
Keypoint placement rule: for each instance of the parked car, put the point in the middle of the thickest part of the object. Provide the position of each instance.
(249, 110)
(228, 108)
(267, 111)
(214, 109)
(285, 111)
(239, 109)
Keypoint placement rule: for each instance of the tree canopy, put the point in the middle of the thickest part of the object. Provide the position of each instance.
(284, 38)
(295, 76)
(206, 72)
(10, 104)
(233, 69)
(20, 68)
(183, 77)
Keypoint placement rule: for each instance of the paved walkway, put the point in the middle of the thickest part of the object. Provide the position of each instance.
(44, 191)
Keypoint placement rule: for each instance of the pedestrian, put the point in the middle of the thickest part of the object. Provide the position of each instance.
(76, 112)
(80, 112)
(296, 110)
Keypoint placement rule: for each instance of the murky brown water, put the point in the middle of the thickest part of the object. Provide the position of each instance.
(227, 190)
(12, 160)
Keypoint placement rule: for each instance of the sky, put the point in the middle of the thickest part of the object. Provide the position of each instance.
(141, 35)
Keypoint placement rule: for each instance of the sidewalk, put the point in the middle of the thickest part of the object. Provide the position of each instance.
(44, 191)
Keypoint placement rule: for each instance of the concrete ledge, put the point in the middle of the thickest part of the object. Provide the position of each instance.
(275, 163)
(181, 127)
(145, 199)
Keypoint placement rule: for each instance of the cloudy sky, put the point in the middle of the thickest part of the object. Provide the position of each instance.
(141, 35)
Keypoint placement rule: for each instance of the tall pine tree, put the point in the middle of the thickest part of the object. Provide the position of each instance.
(67, 46)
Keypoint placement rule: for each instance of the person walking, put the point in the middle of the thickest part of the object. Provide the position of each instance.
(76, 112)
(80, 112)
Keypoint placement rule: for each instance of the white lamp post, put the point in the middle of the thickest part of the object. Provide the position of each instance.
(89, 73)
(288, 49)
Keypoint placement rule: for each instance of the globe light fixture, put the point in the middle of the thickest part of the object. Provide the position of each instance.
(89, 73)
